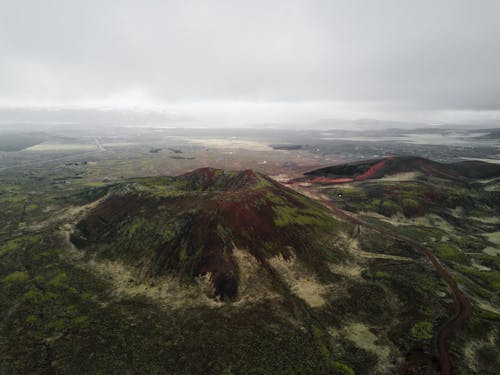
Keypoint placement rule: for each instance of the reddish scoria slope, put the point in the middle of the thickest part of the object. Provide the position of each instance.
(189, 224)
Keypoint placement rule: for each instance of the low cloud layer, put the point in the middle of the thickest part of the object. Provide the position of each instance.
(346, 57)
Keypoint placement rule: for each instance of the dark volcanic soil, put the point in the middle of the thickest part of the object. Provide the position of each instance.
(461, 306)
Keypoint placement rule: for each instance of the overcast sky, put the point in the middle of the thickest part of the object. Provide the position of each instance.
(256, 60)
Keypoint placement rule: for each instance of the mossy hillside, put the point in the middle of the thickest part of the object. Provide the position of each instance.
(188, 225)
(408, 198)
(488, 279)
(61, 318)
(481, 329)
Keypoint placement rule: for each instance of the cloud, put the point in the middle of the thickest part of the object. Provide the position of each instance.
(403, 55)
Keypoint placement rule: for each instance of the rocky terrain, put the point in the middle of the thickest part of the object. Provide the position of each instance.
(216, 271)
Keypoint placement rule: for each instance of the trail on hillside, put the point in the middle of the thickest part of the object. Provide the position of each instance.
(461, 305)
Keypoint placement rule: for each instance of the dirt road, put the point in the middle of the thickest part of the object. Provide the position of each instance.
(461, 305)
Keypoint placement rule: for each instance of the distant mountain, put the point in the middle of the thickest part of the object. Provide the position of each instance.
(188, 225)
(378, 168)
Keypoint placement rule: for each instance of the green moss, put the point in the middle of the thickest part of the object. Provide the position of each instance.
(10, 246)
(491, 261)
(31, 240)
(389, 208)
(59, 325)
(33, 295)
(183, 255)
(380, 275)
(15, 198)
(422, 331)
(372, 205)
(134, 226)
(86, 295)
(18, 243)
(81, 322)
(17, 277)
(490, 279)
(470, 243)
(263, 182)
(490, 315)
(342, 367)
(286, 215)
(226, 235)
(31, 207)
(273, 198)
(50, 296)
(58, 280)
(448, 252)
(31, 319)
(409, 202)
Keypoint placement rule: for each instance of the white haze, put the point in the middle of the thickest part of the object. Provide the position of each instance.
(245, 62)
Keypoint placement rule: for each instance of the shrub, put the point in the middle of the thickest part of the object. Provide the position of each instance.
(389, 208)
(448, 252)
(16, 277)
(422, 331)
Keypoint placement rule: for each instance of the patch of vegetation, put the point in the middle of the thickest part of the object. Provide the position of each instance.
(488, 279)
(380, 275)
(422, 331)
(287, 215)
(10, 246)
(58, 280)
(469, 243)
(451, 253)
(343, 368)
(16, 277)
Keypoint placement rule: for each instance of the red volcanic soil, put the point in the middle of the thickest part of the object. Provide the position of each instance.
(373, 169)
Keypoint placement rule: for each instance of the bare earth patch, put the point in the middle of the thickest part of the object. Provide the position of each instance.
(486, 220)
(431, 220)
(494, 237)
(405, 176)
(348, 269)
(354, 249)
(167, 291)
(254, 283)
(361, 335)
(301, 282)
(493, 251)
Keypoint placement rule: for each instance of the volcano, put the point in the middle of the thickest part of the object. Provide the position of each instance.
(189, 225)
(378, 168)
